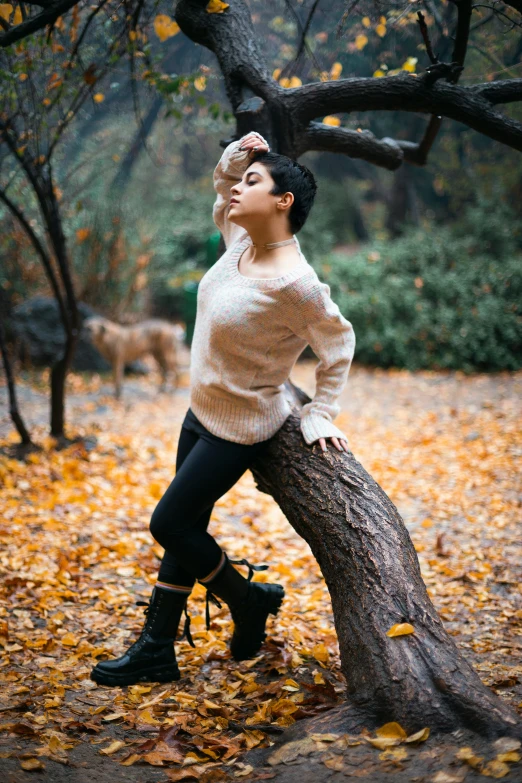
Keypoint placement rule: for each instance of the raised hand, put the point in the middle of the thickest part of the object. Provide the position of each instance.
(254, 143)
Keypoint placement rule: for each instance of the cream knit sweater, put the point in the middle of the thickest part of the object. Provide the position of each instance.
(249, 333)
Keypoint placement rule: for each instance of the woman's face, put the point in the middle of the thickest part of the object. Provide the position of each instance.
(251, 203)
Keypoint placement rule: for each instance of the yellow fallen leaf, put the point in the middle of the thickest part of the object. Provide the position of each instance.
(70, 640)
(383, 742)
(216, 7)
(419, 736)
(331, 120)
(113, 716)
(113, 747)
(466, 754)
(393, 730)
(495, 769)
(511, 755)
(132, 759)
(193, 758)
(32, 764)
(146, 716)
(395, 754)
(320, 652)
(400, 629)
(165, 27)
(324, 737)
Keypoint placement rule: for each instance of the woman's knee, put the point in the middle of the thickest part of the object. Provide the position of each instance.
(169, 523)
(160, 523)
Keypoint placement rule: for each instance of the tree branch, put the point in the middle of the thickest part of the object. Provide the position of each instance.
(317, 137)
(46, 260)
(473, 106)
(464, 10)
(38, 22)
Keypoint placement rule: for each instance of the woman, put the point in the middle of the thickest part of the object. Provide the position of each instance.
(259, 306)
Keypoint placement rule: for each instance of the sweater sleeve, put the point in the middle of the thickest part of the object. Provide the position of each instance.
(318, 320)
(230, 169)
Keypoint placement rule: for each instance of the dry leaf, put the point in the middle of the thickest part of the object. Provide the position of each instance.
(400, 629)
(447, 777)
(320, 652)
(383, 742)
(505, 744)
(466, 754)
(495, 769)
(216, 7)
(511, 755)
(419, 736)
(113, 747)
(132, 759)
(32, 764)
(393, 730)
(291, 750)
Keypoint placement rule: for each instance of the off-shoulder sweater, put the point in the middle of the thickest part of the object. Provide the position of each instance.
(249, 332)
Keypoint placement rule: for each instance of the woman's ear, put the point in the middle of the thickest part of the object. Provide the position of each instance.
(286, 200)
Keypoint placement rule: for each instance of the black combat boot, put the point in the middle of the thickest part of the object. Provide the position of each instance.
(151, 658)
(249, 602)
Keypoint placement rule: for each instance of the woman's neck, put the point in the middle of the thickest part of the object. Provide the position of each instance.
(267, 236)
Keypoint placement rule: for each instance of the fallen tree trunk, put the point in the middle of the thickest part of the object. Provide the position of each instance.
(372, 572)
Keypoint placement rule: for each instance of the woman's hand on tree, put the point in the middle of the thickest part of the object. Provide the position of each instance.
(337, 443)
(254, 142)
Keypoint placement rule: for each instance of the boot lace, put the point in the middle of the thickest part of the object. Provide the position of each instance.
(186, 627)
(214, 599)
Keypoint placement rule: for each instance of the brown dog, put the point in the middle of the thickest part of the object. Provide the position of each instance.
(123, 344)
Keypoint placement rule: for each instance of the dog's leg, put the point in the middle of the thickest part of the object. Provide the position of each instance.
(117, 370)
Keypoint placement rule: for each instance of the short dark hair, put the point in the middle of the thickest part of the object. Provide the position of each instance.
(289, 175)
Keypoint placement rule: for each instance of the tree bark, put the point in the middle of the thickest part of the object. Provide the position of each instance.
(14, 412)
(372, 572)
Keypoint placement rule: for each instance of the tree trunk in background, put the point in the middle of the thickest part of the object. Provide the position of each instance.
(403, 203)
(11, 390)
(372, 572)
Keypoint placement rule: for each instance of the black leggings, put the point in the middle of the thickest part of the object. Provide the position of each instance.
(206, 467)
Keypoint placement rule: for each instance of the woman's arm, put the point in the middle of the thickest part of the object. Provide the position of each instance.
(318, 320)
(230, 169)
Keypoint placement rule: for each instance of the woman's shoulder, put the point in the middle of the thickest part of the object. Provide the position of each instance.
(305, 286)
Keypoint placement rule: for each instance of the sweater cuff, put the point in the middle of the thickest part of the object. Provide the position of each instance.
(315, 425)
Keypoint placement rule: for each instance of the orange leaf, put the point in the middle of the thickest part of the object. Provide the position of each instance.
(216, 7)
(400, 629)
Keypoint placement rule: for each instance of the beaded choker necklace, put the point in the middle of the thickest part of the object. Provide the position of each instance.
(271, 245)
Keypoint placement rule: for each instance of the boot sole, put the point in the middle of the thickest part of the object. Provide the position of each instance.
(166, 673)
(276, 606)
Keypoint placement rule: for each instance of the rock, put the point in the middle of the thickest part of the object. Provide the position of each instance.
(37, 325)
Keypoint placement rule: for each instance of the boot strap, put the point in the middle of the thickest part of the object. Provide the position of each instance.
(251, 568)
(215, 601)
(186, 630)
(212, 597)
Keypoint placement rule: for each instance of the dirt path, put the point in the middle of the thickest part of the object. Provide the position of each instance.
(443, 446)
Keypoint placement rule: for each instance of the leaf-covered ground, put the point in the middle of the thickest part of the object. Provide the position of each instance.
(76, 556)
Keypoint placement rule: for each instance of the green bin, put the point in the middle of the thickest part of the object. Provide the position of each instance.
(190, 303)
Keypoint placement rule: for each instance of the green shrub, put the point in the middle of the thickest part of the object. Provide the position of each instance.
(441, 298)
